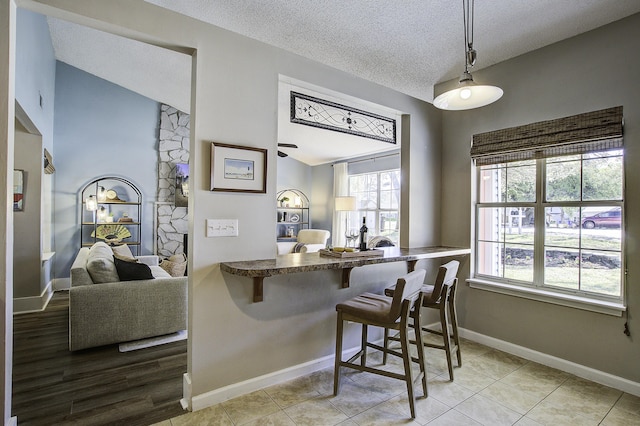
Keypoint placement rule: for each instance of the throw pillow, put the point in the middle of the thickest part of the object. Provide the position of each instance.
(122, 251)
(102, 270)
(100, 264)
(298, 248)
(176, 265)
(128, 271)
(125, 258)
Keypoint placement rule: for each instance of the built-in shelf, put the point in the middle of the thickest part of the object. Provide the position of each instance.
(292, 203)
(118, 197)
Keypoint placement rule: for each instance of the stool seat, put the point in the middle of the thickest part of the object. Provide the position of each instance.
(388, 312)
(369, 306)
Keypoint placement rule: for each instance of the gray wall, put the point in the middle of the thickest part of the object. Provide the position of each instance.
(35, 78)
(101, 129)
(26, 223)
(593, 71)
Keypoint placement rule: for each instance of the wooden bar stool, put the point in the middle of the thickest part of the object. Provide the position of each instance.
(389, 312)
(440, 296)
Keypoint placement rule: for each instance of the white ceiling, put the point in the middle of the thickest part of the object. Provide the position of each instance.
(407, 45)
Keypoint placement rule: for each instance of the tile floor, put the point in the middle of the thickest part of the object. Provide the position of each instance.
(491, 388)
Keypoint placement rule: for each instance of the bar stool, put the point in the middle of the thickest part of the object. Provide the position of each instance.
(440, 296)
(389, 313)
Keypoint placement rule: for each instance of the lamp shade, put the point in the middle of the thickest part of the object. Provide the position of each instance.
(345, 204)
(467, 95)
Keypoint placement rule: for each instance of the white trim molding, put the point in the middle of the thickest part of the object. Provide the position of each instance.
(599, 306)
(579, 370)
(23, 305)
(217, 396)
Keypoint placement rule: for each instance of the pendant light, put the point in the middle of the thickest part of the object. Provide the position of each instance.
(468, 94)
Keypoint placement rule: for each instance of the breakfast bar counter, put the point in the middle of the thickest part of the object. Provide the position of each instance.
(308, 262)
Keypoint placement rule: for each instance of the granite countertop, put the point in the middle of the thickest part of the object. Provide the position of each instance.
(307, 262)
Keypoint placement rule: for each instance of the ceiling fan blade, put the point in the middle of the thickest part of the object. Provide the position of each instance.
(282, 154)
(287, 145)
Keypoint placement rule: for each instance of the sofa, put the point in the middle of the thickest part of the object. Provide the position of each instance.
(307, 241)
(109, 304)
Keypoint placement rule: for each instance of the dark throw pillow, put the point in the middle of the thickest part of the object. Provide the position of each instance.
(129, 271)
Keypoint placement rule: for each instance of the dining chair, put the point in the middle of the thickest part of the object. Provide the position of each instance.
(392, 313)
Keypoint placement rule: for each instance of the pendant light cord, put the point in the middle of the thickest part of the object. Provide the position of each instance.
(467, 18)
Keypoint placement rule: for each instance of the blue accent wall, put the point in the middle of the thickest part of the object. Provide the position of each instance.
(101, 129)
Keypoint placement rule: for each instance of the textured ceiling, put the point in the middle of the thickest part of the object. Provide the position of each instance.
(407, 45)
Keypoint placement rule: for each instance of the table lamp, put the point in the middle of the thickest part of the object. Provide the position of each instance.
(345, 204)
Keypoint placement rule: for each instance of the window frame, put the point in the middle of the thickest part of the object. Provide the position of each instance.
(537, 289)
(378, 210)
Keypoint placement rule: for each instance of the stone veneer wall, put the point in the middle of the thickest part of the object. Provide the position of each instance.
(173, 148)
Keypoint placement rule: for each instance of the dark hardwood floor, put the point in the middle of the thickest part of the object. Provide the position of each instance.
(100, 386)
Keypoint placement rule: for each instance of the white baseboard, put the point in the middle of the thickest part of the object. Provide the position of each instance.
(23, 305)
(185, 402)
(61, 284)
(555, 362)
(217, 396)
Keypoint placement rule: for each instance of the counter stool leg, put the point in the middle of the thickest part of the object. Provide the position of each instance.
(444, 324)
(385, 345)
(454, 324)
(422, 362)
(406, 358)
(363, 345)
(338, 361)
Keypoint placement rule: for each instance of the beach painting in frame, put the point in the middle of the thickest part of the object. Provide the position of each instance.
(236, 168)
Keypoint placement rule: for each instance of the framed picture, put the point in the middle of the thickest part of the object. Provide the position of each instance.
(18, 190)
(237, 168)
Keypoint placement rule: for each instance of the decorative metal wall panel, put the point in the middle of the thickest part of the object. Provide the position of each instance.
(329, 115)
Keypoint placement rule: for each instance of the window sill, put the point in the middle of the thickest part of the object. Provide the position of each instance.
(599, 306)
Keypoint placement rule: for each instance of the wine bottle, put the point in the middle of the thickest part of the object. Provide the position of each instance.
(363, 234)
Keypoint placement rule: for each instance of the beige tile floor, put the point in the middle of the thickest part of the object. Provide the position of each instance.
(491, 388)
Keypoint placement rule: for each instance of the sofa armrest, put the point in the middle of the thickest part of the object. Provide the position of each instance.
(150, 260)
(108, 313)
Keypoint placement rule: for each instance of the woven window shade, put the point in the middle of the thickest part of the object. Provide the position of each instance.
(577, 134)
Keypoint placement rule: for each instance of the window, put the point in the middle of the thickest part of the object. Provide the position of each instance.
(553, 223)
(549, 210)
(378, 199)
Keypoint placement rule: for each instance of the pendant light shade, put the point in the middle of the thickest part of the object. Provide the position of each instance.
(468, 94)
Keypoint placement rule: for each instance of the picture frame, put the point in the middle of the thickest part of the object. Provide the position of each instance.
(18, 190)
(236, 168)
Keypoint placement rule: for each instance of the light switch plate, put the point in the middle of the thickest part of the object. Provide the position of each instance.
(222, 228)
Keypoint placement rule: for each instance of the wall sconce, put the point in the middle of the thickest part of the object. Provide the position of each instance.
(91, 204)
(102, 214)
(102, 194)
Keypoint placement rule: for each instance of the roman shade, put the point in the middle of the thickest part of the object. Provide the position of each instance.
(576, 134)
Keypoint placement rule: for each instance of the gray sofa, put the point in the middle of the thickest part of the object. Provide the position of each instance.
(104, 310)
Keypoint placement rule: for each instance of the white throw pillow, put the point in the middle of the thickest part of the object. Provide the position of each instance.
(100, 264)
(122, 251)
